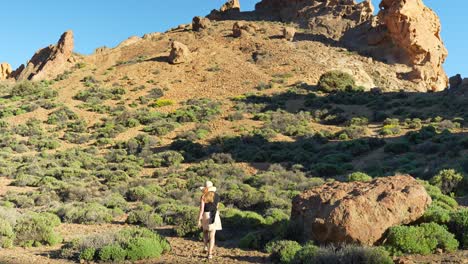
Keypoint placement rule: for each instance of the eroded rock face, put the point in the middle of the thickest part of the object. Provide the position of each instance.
(5, 71)
(179, 53)
(227, 11)
(230, 6)
(48, 62)
(416, 28)
(404, 32)
(358, 212)
(329, 18)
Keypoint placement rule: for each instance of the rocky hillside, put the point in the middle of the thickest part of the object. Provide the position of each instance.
(270, 105)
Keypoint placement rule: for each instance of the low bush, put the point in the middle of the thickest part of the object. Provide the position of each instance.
(337, 81)
(459, 226)
(85, 213)
(166, 159)
(7, 236)
(359, 176)
(131, 244)
(36, 229)
(144, 215)
(310, 254)
(283, 251)
(447, 180)
(423, 239)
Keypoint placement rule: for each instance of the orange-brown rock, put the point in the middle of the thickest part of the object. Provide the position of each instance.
(5, 71)
(179, 53)
(241, 29)
(230, 5)
(48, 62)
(329, 18)
(358, 212)
(405, 32)
(415, 28)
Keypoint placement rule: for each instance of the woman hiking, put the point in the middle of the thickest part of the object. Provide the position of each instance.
(208, 218)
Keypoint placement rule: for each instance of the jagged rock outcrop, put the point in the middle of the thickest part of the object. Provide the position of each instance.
(329, 18)
(416, 29)
(358, 212)
(289, 33)
(227, 11)
(404, 32)
(48, 62)
(230, 5)
(179, 53)
(200, 23)
(5, 71)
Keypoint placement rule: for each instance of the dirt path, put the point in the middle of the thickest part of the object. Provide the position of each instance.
(188, 251)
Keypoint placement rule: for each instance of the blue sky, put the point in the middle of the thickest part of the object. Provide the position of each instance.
(28, 25)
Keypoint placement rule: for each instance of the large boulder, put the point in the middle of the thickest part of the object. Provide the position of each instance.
(179, 53)
(48, 62)
(358, 212)
(230, 6)
(5, 71)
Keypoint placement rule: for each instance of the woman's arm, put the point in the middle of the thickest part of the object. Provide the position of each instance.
(202, 210)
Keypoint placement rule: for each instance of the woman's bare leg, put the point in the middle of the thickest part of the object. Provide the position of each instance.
(212, 242)
(206, 238)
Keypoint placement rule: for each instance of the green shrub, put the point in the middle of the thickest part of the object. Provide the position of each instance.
(114, 253)
(144, 215)
(166, 159)
(88, 254)
(283, 251)
(436, 214)
(359, 176)
(7, 236)
(459, 226)
(85, 213)
(162, 103)
(447, 180)
(131, 244)
(306, 254)
(34, 229)
(423, 239)
(336, 81)
(144, 248)
(345, 255)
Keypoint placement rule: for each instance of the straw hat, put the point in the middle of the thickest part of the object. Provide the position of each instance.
(209, 186)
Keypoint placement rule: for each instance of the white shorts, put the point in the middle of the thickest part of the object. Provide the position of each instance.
(211, 227)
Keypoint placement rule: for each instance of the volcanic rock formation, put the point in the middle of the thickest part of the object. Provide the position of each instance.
(358, 212)
(228, 10)
(404, 32)
(5, 71)
(48, 62)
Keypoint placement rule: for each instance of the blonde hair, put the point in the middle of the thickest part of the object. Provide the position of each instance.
(208, 197)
